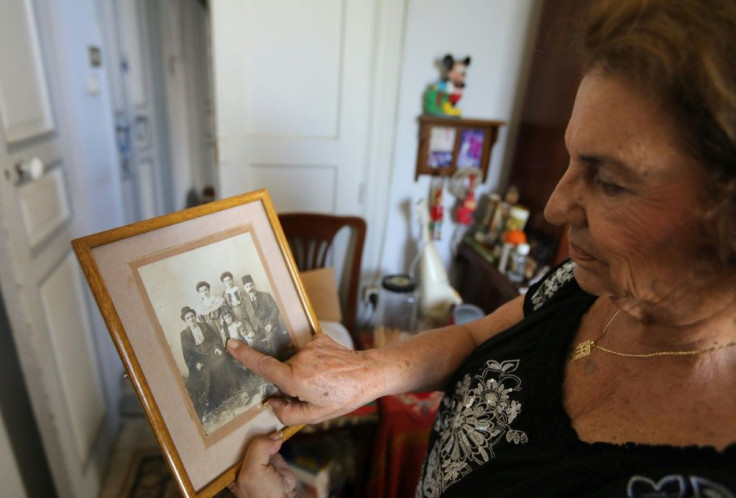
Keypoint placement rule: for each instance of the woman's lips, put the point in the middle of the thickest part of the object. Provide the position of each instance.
(578, 254)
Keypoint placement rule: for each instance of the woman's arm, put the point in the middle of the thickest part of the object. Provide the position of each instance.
(427, 360)
(329, 380)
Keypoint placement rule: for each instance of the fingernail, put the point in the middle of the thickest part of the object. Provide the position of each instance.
(233, 344)
(276, 435)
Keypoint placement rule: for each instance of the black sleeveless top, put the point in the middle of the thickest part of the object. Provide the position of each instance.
(502, 431)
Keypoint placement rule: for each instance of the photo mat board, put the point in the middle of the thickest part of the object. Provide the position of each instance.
(172, 290)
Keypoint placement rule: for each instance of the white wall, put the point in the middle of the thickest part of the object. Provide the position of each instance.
(496, 34)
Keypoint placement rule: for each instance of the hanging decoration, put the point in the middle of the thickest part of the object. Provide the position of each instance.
(436, 208)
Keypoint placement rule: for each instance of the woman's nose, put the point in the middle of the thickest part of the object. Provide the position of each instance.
(564, 205)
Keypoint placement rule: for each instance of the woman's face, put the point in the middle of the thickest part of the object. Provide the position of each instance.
(190, 319)
(630, 195)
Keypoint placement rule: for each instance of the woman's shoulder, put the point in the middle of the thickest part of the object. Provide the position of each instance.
(559, 281)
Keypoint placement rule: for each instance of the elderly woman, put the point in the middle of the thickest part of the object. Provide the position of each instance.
(616, 374)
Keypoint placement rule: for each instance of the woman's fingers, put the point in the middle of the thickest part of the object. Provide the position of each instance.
(324, 379)
(264, 473)
(266, 366)
(259, 453)
(278, 463)
(291, 412)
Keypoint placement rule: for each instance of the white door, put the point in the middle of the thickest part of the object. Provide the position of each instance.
(130, 47)
(39, 276)
(293, 99)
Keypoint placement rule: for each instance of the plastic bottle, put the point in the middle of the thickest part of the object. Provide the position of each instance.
(518, 263)
(511, 239)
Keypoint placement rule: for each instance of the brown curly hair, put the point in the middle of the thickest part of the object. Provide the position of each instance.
(683, 52)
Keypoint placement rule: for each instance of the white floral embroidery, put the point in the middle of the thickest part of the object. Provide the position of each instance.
(470, 424)
(552, 283)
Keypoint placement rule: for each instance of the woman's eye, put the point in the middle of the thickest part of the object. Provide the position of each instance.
(608, 187)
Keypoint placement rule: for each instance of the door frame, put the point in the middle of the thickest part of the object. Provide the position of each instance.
(389, 52)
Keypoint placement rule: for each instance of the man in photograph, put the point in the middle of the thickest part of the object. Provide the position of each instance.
(263, 314)
(213, 376)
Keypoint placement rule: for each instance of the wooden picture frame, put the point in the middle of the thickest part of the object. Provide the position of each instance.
(203, 406)
(448, 144)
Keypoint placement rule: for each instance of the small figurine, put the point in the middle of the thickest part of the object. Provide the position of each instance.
(464, 212)
(436, 210)
(441, 98)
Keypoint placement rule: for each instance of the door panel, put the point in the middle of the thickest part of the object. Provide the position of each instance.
(132, 56)
(44, 206)
(24, 97)
(292, 86)
(64, 308)
(129, 49)
(307, 103)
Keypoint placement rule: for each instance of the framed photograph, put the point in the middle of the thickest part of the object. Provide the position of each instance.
(447, 144)
(470, 152)
(172, 290)
(441, 145)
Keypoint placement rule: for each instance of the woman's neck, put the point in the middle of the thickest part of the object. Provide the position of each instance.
(701, 320)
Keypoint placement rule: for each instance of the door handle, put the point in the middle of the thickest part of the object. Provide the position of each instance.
(30, 169)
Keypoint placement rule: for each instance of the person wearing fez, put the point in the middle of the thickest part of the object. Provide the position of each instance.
(615, 375)
(264, 317)
(213, 377)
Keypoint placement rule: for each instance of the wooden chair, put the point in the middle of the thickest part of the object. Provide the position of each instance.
(311, 237)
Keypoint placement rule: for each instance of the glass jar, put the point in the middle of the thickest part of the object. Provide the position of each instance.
(396, 310)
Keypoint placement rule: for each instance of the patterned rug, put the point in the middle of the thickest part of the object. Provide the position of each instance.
(148, 476)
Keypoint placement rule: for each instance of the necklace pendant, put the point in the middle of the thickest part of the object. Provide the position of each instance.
(581, 350)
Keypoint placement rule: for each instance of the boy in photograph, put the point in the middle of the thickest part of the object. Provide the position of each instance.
(233, 295)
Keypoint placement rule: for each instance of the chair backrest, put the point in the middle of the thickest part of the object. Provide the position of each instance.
(311, 237)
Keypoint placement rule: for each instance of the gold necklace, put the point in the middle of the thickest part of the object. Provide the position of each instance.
(584, 348)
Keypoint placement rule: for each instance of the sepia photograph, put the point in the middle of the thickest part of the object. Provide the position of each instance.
(172, 291)
(202, 297)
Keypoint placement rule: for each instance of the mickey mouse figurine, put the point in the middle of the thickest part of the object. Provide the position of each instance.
(441, 97)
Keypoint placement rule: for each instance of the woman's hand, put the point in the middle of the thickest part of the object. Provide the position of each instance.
(326, 379)
(264, 474)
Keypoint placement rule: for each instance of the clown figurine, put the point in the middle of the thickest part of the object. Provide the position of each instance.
(464, 212)
(436, 210)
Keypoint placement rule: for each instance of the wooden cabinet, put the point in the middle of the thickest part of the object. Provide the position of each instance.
(479, 281)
